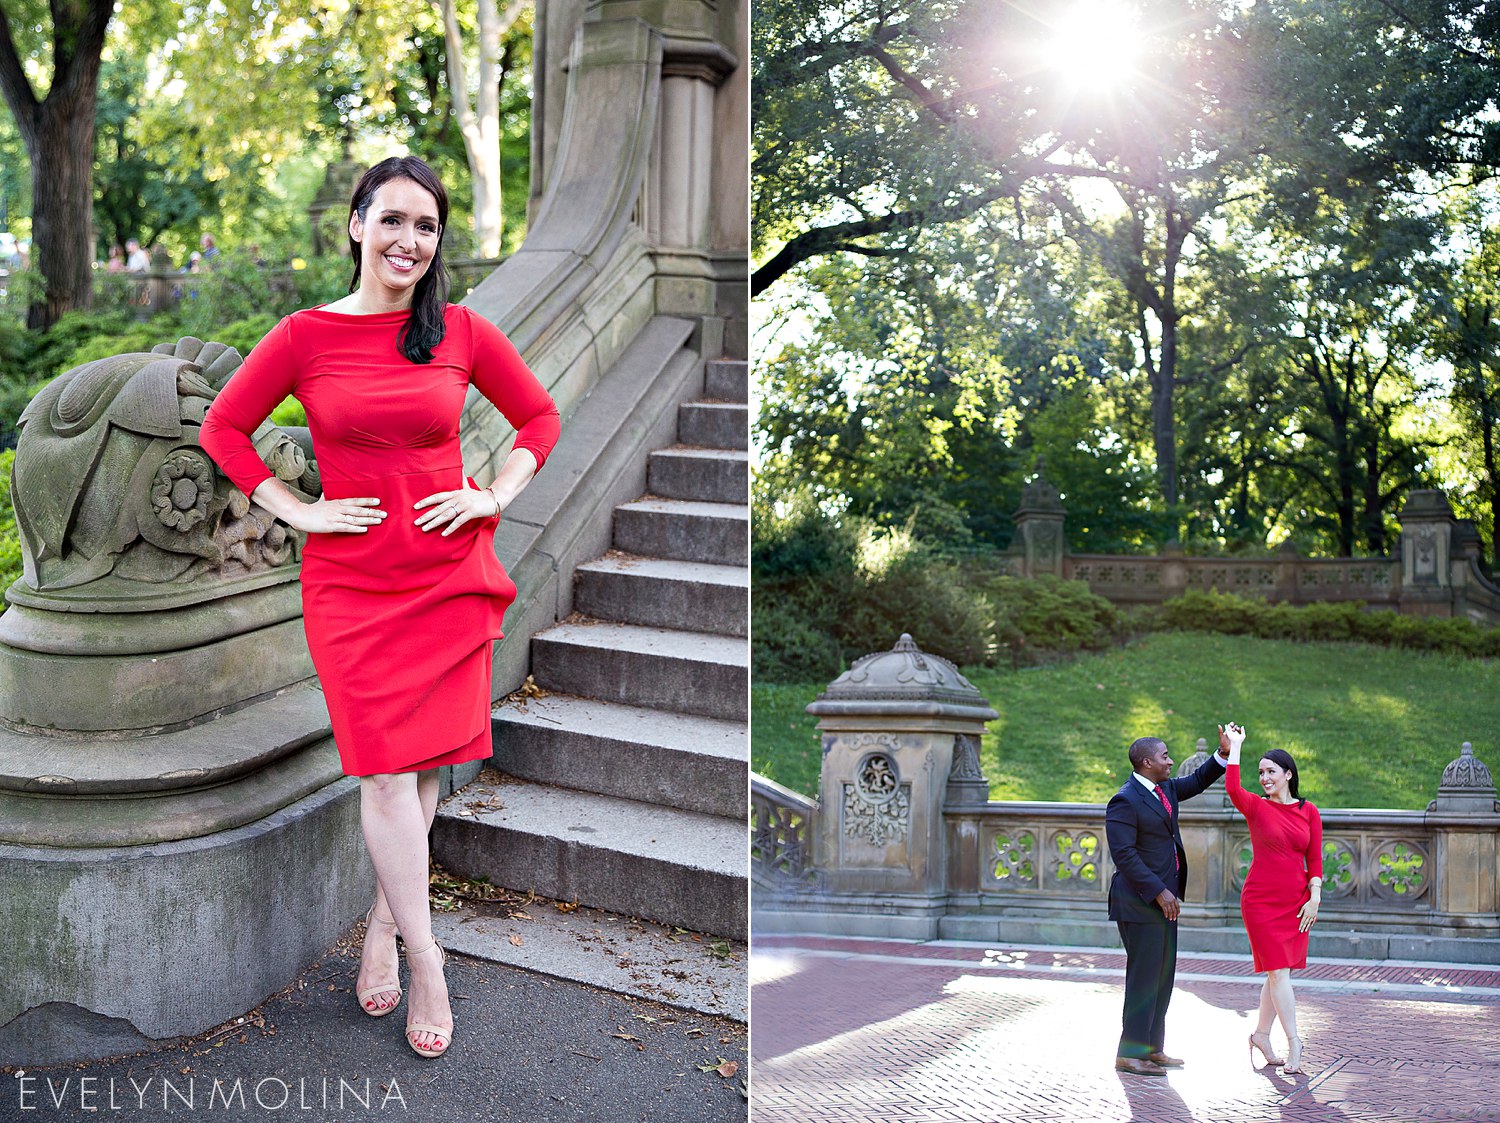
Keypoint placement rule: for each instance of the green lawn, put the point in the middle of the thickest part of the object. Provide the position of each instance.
(1369, 727)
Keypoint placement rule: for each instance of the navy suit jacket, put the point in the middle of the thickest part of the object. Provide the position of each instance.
(1145, 843)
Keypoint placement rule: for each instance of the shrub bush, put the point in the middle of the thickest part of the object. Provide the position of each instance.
(1327, 622)
(927, 598)
(10, 538)
(1046, 614)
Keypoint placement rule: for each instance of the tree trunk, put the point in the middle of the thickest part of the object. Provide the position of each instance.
(1487, 423)
(480, 125)
(58, 132)
(62, 207)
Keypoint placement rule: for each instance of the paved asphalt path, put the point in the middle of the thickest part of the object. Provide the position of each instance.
(528, 1048)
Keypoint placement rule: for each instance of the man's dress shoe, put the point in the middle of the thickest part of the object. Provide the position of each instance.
(1160, 1058)
(1139, 1066)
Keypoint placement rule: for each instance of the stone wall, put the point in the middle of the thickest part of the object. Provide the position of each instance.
(1438, 570)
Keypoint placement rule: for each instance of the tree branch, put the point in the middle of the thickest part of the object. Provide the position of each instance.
(826, 239)
(18, 92)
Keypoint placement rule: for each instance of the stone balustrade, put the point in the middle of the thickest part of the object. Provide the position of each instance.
(780, 834)
(1288, 577)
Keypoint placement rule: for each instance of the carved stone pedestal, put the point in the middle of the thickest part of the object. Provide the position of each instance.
(901, 736)
(177, 838)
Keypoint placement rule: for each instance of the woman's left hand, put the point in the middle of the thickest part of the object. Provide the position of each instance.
(1307, 916)
(456, 508)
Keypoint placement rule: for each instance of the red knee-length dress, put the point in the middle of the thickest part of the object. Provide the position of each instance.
(400, 622)
(1286, 841)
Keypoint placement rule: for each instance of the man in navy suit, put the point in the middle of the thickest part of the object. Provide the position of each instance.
(1145, 894)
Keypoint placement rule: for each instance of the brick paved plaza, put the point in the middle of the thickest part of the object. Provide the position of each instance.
(846, 1029)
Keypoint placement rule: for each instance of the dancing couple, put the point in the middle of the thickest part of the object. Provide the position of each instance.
(1279, 901)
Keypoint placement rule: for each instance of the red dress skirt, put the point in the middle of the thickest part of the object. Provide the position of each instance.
(1286, 841)
(400, 622)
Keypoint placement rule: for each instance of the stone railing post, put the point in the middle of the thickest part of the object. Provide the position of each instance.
(1426, 554)
(1039, 540)
(1465, 819)
(900, 733)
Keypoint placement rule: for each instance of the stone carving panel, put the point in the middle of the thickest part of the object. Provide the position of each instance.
(877, 806)
(1075, 859)
(1400, 870)
(1240, 853)
(1013, 859)
(1339, 864)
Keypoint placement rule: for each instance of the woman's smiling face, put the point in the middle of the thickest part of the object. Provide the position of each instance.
(397, 237)
(1274, 779)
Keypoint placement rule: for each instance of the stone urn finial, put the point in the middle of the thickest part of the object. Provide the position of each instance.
(1467, 787)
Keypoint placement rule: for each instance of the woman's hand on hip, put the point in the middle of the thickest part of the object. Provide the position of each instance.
(339, 516)
(456, 508)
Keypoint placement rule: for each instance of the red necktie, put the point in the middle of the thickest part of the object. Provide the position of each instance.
(1161, 795)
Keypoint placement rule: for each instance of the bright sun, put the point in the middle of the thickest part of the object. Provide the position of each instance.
(1095, 44)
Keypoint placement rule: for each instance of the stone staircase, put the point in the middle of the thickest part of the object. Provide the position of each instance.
(627, 784)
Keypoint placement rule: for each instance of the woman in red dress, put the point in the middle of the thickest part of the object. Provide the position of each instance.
(1280, 899)
(402, 593)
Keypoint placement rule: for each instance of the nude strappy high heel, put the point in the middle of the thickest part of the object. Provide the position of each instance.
(443, 1033)
(368, 993)
(1293, 1056)
(1262, 1041)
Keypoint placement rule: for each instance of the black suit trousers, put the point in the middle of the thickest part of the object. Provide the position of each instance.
(1150, 968)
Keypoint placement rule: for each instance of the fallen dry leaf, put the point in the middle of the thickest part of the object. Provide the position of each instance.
(727, 1069)
(516, 939)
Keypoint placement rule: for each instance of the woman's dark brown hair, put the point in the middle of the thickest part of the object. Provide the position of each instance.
(425, 327)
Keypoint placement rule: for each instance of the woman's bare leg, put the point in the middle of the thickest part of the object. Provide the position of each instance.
(395, 817)
(378, 960)
(1279, 984)
(1267, 1016)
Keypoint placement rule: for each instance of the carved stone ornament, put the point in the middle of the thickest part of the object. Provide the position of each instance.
(1468, 772)
(877, 806)
(112, 491)
(905, 673)
(965, 758)
(1467, 786)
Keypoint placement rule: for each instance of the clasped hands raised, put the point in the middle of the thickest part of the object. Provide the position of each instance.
(1231, 737)
(357, 515)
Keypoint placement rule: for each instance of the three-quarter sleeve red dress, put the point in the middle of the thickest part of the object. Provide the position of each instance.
(1286, 841)
(400, 621)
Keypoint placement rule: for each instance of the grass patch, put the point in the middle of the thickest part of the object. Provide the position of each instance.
(1369, 726)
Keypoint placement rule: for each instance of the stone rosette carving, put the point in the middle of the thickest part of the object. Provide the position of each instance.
(877, 805)
(113, 493)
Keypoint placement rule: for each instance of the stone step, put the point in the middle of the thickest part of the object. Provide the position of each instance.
(659, 592)
(653, 756)
(676, 867)
(714, 424)
(727, 380)
(710, 475)
(689, 672)
(687, 531)
(603, 950)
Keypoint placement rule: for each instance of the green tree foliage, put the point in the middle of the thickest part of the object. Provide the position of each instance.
(1238, 258)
